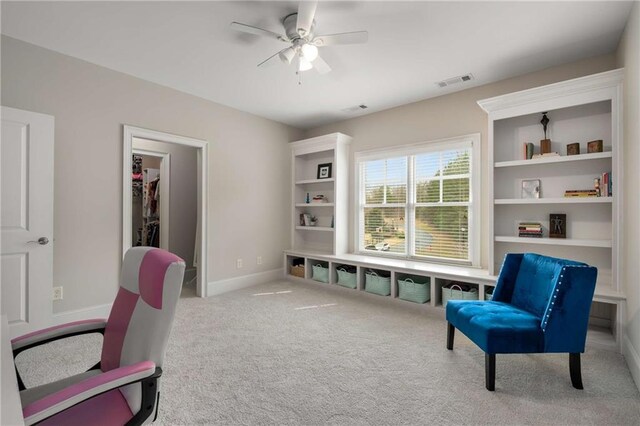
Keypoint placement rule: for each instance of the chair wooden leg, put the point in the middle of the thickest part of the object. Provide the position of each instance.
(574, 370)
(490, 371)
(451, 331)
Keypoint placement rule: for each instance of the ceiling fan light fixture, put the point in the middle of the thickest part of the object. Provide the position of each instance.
(310, 52)
(304, 64)
(287, 55)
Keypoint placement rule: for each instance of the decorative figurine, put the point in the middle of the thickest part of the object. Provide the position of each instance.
(545, 144)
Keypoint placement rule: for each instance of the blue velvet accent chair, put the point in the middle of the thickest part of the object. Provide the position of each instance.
(540, 304)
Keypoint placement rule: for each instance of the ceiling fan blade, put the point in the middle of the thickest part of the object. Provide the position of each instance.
(257, 31)
(355, 37)
(321, 66)
(306, 12)
(269, 61)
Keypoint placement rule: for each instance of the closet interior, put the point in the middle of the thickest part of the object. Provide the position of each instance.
(145, 181)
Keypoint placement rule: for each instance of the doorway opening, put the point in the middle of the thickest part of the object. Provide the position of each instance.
(164, 198)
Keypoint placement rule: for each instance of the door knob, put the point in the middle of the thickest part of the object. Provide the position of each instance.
(43, 241)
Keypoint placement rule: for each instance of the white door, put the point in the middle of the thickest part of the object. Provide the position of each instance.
(26, 170)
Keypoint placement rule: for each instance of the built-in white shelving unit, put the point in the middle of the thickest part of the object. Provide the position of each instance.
(580, 110)
(329, 234)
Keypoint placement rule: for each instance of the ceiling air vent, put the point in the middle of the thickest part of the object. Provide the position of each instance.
(455, 80)
(355, 108)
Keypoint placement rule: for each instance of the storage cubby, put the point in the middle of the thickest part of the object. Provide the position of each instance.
(378, 281)
(488, 292)
(295, 262)
(464, 291)
(318, 270)
(603, 326)
(412, 287)
(344, 275)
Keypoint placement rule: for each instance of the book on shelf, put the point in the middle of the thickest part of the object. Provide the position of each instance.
(581, 193)
(530, 229)
(605, 185)
(530, 234)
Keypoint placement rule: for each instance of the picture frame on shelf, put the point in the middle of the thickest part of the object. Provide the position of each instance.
(324, 171)
(530, 188)
(557, 225)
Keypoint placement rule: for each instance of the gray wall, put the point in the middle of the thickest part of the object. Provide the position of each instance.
(248, 163)
(183, 193)
(629, 57)
(450, 115)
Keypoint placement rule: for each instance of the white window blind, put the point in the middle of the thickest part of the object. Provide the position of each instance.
(420, 204)
(385, 205)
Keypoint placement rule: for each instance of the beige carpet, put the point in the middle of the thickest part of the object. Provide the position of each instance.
(242, 358)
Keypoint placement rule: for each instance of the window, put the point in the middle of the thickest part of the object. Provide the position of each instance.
(421, 201)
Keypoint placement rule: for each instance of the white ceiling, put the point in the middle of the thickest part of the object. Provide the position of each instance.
(412, 45)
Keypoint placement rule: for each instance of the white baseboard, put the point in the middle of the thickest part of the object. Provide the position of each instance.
(215, 288)
(100, 311)
(633, 359)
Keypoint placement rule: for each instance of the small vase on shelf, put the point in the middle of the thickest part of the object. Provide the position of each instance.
(308, 200)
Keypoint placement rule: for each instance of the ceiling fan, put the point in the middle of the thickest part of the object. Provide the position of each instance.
(304, 43)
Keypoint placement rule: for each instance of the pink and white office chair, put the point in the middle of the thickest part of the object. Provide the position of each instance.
(123, 387)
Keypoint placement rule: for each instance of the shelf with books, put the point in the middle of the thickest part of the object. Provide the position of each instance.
(554, 241)
(564, 200)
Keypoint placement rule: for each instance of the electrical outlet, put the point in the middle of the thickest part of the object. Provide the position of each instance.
(57, 293)
(259, 260)
(239, 263)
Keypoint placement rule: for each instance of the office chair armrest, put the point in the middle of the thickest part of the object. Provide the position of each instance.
(87, 389)
(46, 335)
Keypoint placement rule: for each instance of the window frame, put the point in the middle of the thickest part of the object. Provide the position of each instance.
(470, 141)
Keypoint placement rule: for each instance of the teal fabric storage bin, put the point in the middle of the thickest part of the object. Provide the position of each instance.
(488, 293)
(320, 273)
(346, 279)
(376, 284)
(457, 293)
(418, 292)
